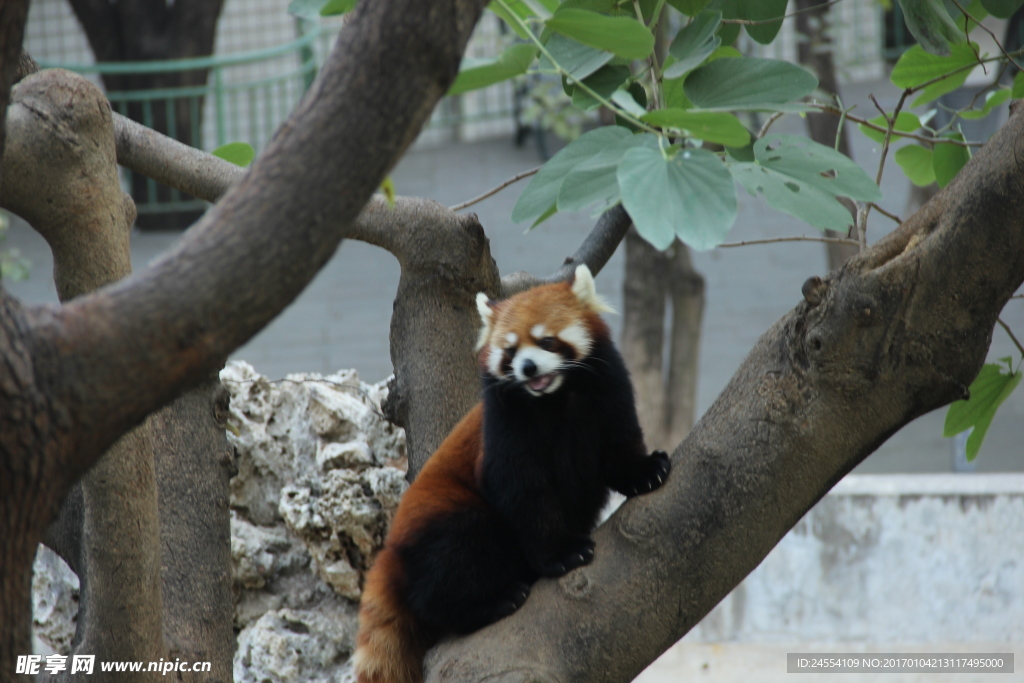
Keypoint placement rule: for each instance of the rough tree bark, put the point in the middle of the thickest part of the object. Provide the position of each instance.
(814, 50)
(73, 379)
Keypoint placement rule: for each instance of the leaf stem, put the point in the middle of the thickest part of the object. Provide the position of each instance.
(988, 31)
(831, 109)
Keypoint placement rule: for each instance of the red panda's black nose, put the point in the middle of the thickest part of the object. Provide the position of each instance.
(529, 368)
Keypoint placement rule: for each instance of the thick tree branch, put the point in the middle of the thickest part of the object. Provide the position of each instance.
(901, 330)
(595, 251)
(157, 328)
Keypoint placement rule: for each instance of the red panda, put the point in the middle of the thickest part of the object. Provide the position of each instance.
(513, 493)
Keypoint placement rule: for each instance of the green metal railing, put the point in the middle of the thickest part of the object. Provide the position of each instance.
(241, 97)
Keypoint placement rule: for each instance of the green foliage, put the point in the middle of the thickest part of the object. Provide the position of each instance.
(761, 10)
(541, 194)
(916, 162)
(992, 99)
(948, 159)
(916, 67)
(238, 153)
(1018, 86)
(906, 122)
(689, 194)
(1002, 8)
(576, 59)
(710, 126)
(313, 9)
(594, 182)
(604, 82)
(748, 84)
(803, 178)
(693, 44)
(931, 25)
(479, 73)
(13, 266)
(987, 392)
(689, 7)
(623, 36)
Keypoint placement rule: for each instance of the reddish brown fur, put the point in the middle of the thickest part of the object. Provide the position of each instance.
(388, 647)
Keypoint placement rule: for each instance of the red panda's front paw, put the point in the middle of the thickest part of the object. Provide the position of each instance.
(578, 554)
(652, 476)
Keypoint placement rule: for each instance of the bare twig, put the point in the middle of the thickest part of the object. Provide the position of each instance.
(988, 31)
(767, 124)
(495, 190)
(752, 22)
(1010, 333)
(801, 238)
(885, 213)
(831, 109)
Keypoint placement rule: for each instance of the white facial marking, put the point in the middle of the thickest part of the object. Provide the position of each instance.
(494, 361)
(539, 332)
(512, 338)
(577, 337)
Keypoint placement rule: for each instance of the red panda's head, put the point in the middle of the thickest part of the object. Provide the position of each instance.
(534, 337)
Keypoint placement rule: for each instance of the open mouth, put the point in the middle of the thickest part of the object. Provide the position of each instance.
(543, 383)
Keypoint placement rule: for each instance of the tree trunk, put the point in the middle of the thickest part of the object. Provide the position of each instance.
(143, 30)
(814, 50)
(657, 283)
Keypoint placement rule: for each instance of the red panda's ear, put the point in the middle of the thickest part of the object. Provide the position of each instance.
(486, 308)
(585, 290)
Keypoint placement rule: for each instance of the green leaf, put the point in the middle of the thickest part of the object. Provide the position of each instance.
(314, 9)
(623, 36)
(578, 59)
(988, 391)
(748, 83)
(916, 67)
(479, 73)
(604, 82)
(634, 101)
(238, 153)
(388, 189)
(690, 195)
(906, 122)
(992, 100)
(509, 16)
(931, 25)
(720, 127)
(916, 162)
(541, 195)
(694, 43)
(1002, 8)
(1018, 86)
(689, 7)
(976, 9)
(947, 159)
(803, 178)
(762, 10)
(594, 181)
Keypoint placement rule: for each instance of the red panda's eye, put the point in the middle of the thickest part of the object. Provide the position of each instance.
(547, 343)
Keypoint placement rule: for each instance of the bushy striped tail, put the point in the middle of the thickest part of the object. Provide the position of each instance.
(389, 647)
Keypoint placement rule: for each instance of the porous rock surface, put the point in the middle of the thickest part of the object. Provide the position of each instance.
(316, 488)
(320, 473)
